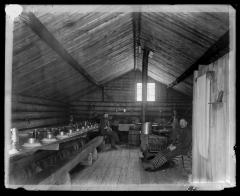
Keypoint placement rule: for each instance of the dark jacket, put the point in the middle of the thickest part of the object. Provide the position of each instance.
(103, 124)
(173, 136)
(184, 140)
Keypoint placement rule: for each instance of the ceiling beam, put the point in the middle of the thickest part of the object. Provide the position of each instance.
(89, 90)
(83, 92)
(217, 50)
(35, 24)
(111, 79)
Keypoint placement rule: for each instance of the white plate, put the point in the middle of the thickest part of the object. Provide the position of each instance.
(46, 140)
(62, 136)
(23, 134)
(28, 145)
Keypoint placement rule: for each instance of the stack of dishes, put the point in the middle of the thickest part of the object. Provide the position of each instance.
(49, 139)
(32, 143)
(13, 151)
(70, 132)
(62, 135)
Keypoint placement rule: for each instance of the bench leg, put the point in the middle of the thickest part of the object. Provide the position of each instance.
(88, 160)
(94, 155)
(67, 179)
(56, 180)
(183, 161)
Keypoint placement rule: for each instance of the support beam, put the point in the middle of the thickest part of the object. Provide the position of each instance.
(134, 39)
(35, 24)
(103, 93)
(136, 20)
(220, 48)
(8, 91)
(144, 82)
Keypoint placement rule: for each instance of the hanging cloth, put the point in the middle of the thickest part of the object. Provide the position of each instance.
(203, 109)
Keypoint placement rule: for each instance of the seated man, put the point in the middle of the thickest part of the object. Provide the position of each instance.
(105, 129)
(174, 149)
(72, 122)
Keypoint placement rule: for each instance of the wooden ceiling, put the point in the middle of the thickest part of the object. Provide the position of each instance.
(104, 45)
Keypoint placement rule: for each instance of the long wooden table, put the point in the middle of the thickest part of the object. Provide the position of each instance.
(50, 146)
(56, 173)
(61, 174)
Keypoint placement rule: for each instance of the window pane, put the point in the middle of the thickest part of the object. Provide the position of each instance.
(139, 91)
(150, 92)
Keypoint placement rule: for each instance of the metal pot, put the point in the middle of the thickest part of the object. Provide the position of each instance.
(49, 135)
(147, 128)
(31, 140)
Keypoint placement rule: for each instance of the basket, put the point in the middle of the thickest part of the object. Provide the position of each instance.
(134, 138)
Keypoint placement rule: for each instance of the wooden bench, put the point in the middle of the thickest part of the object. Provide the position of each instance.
(61, 175)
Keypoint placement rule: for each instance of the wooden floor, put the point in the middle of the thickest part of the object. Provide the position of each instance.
(122, 169)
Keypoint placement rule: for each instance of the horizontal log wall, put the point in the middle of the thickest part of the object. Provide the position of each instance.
(81, 112)
(32, 112)
(120, 94)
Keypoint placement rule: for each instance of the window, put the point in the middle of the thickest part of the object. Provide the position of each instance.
(150, 91)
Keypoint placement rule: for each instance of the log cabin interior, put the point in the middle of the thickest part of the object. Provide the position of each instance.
(146, 68)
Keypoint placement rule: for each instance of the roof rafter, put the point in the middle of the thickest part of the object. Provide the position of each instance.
(35, 24)
(89, 90)
(218, 49)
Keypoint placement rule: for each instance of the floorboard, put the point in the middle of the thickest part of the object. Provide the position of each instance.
(116, 169)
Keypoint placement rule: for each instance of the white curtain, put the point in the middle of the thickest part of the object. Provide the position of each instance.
(202, 116)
